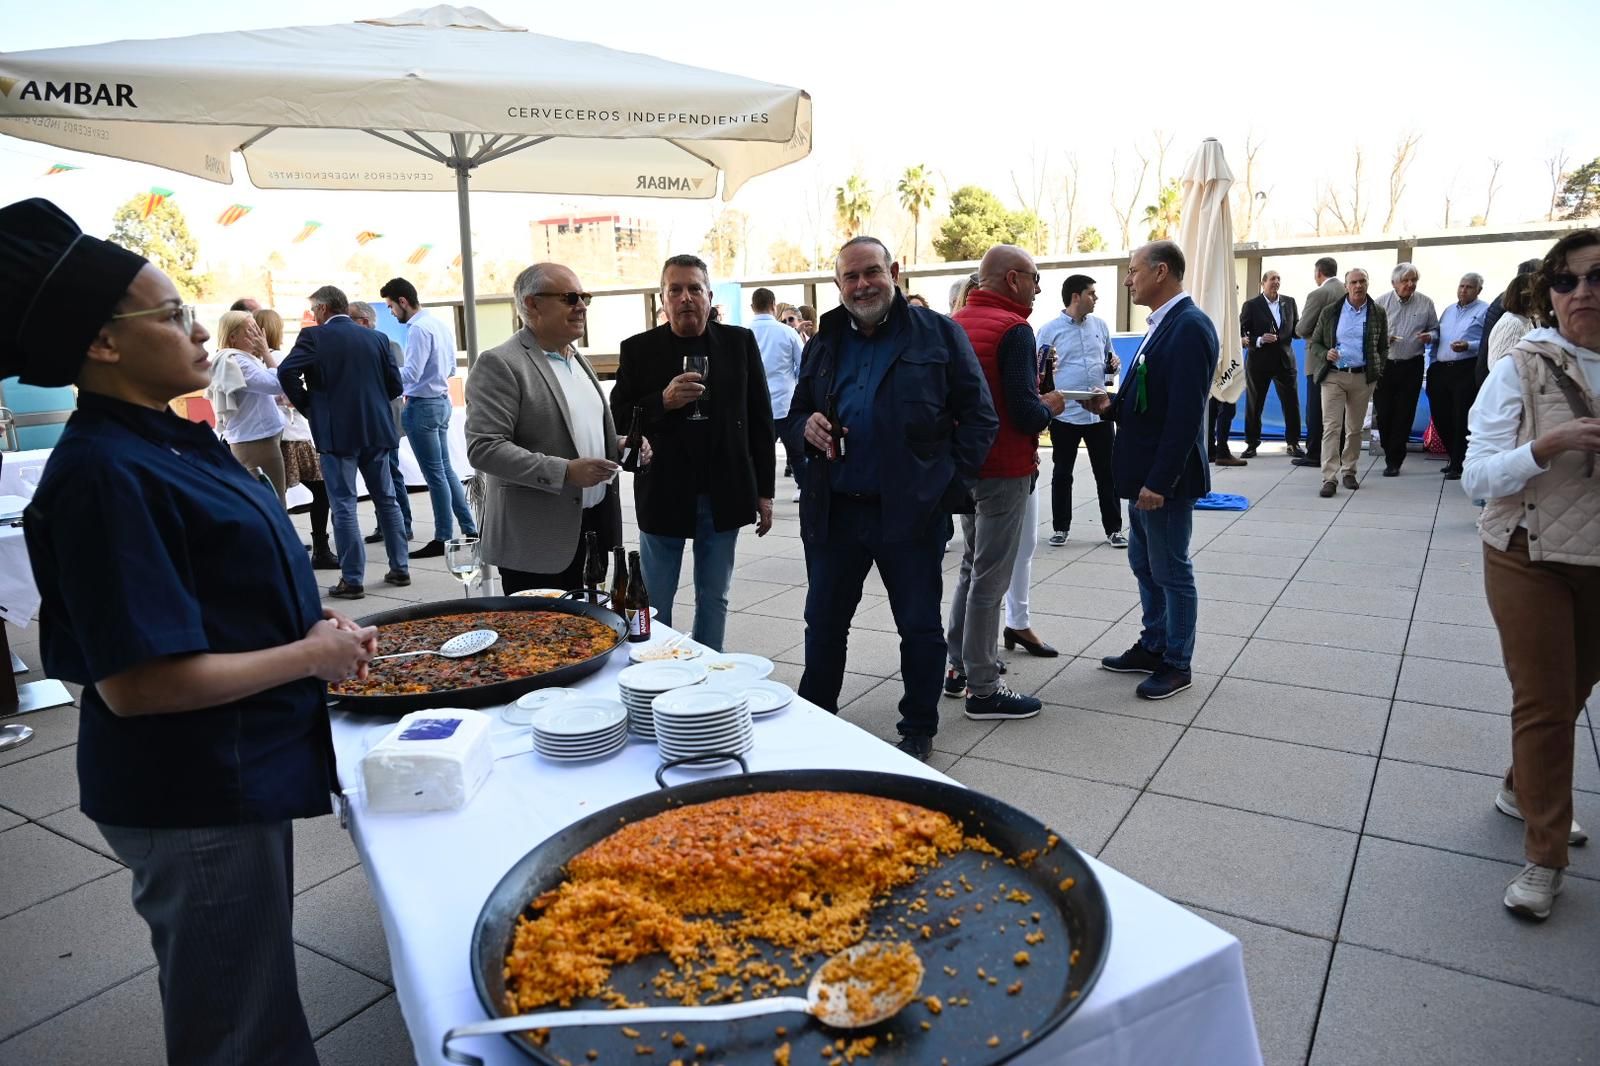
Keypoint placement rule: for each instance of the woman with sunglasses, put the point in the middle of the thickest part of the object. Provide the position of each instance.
(1535, 431)
(203, 724)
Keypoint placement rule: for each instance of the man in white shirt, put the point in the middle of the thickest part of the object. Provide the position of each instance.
(1081, 344)
(1453, 377)
(780, 346)
(430, 363)
(1413, 327)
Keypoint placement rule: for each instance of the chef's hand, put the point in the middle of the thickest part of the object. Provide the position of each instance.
(1097, 404)
(586, 473)
(763, 517)
(819, 433)
(1149, 501)
(682, 391)
(334, 653)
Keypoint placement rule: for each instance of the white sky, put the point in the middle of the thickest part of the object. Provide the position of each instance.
(975, 93)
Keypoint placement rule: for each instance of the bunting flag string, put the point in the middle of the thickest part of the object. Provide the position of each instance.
(420, 254)
(456, 261)
(233, 214)
(367, 236)
(309, 228)
(155, 198)
(60, 168)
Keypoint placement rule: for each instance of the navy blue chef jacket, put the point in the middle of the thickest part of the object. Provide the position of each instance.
(148, 539)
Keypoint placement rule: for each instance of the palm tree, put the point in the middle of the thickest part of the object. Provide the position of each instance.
(1162, 216)
(852, 203)
(916, 196)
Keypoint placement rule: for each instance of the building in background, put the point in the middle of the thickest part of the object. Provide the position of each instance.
(602, 249)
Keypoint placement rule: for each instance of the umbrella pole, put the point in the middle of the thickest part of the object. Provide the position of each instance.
(469, 295)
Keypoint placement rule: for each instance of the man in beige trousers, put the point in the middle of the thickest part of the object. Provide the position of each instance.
(1349, 348)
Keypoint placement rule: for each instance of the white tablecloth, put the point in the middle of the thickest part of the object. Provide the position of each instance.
(19, 596)
(19, 471)
(1172, 991)
(409, 469)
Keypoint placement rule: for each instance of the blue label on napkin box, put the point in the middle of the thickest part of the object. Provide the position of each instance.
(431, 729)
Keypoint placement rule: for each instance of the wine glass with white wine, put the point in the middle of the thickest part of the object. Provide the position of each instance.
(464, 561)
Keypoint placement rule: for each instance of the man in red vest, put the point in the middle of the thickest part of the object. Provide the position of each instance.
(996, 320)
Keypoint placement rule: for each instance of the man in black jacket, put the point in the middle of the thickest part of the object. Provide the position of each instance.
(711, 432)
(917, 421)
(1266, 326)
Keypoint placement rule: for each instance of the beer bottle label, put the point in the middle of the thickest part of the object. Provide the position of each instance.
(639, 625)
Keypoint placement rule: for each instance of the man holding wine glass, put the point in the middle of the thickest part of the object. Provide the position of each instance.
(698, 392)
(539, 432)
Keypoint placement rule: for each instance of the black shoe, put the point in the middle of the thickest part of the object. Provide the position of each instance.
(788, 471)
(1000, 667)
(1452, 475)
(321, 557)
(1296, 452)
(434, 549)
(1305, 460)
(955, 685)
(397, 577)
(346, 591)
(1391, 471)
(1032, 647)
(375, 537)
(1167, 681)
(1136, 660)
(1351, 483)
(1001, 705)
(1227, 459)
(918, 748)
(1328, 489)
(1248, 453)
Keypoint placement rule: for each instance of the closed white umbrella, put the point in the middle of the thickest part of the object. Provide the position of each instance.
(422, 101)
(1205, 233)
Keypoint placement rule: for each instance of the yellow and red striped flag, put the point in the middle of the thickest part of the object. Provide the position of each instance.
(155, 198)
(366, 236)
(233, 214)
(60, 168)
(308, 230)
(420, 254)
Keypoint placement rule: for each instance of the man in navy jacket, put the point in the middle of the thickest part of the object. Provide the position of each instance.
(1159, 464)
(340, 376)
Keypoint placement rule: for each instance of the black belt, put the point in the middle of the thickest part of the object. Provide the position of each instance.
(1348, 369)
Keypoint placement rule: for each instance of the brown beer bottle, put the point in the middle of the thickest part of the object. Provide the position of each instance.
(619, 579)
(638, 602)
(835, 428)
(633, 443)
(594, 565)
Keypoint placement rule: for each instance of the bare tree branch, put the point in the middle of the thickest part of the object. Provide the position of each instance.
(1064, 206)
(1246, 223)
(1163, 141)
(1557, 166)
(1488, 200)
(1405, 153)
(1350, 213)
(1125, 214)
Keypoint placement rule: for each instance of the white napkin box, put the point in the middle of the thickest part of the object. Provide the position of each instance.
(433, 760)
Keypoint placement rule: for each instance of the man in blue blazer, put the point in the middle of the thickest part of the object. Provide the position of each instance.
(341, 378)
(1159, 464)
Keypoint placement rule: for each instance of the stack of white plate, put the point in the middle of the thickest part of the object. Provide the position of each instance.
(764, 697)
(641, 683)
(576, 729)
(702, 720)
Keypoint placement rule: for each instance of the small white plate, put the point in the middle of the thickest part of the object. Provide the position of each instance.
(655, 651)
(697, 701)
(548, 594)
(656, 678)
(579, 717)
(521, 712)
(738, 666)
(763, 697)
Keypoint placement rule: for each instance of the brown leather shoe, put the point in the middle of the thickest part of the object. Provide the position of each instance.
(1351, 483)
(1328, 489)
(1228, 460)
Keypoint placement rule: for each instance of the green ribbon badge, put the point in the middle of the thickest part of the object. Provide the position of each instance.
(1141, 399)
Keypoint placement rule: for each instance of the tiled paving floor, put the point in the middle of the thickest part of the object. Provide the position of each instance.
(1323, 793)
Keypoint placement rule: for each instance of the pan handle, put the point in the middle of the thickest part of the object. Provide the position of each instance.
(710, 756)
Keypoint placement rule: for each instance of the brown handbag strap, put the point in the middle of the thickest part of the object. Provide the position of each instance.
(1576, 400)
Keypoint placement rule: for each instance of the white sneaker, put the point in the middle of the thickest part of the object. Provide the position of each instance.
(1057, 539)
(1117, 539)
(796, 497)
(1506, 802)
(1534, 890)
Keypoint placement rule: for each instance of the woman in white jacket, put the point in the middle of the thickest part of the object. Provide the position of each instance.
(244, 393)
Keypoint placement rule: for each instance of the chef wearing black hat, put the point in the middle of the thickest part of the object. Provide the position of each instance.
(204, 726)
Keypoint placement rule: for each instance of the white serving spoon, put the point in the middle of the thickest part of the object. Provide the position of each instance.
(827, 1001)
(457, 647)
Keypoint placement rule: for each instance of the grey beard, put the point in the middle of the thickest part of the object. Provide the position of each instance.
(872, 316)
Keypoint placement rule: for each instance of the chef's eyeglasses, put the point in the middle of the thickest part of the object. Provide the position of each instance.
(1566, 283)
(571, 299)
(183, 314)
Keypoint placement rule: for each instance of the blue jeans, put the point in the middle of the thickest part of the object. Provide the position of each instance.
(398, 481)
(1158, 552)
(339, 473)
(662, 560)
(427, 424)
(912, 575)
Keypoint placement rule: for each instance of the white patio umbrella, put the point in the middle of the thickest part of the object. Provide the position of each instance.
(422, 101)
(1205, 233)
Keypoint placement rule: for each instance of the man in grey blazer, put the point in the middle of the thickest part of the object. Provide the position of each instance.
(540, 434)
(1328, 293)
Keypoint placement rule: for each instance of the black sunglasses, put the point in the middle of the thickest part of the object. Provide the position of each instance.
(1565, 283)
(570, 298)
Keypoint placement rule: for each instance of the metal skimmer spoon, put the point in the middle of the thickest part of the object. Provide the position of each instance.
(825, 1000)
(457, 647)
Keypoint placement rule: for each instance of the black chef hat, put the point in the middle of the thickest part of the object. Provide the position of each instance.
(58, 286)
